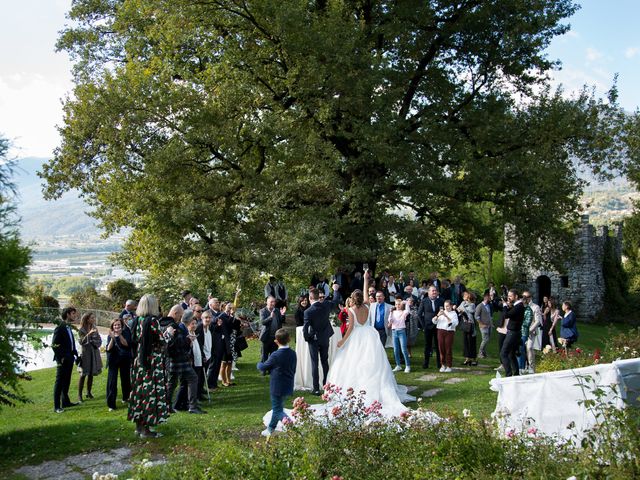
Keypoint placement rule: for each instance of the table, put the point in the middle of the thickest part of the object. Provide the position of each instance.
(303, 379)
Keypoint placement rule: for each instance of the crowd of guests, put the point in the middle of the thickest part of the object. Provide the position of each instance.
(402, 307)
(192, 349)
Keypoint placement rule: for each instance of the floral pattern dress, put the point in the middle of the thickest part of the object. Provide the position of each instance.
(148, 399)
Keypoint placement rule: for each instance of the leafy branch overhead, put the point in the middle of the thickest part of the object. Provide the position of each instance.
(277, 135)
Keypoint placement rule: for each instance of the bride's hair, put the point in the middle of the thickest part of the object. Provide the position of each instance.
(357, 298)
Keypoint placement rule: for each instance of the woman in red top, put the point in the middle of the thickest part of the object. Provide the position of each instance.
(343, 316)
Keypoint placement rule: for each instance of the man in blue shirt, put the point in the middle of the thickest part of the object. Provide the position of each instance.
(379, 315)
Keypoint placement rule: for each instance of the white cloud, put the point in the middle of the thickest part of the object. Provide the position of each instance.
(631, 52)
(574, 79)
(30, 109)
(593, 54)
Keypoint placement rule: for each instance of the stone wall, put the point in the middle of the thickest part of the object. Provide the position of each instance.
(582, 282)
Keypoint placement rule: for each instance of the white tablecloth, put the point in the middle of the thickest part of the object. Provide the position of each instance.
(549, 401)
(303, 380)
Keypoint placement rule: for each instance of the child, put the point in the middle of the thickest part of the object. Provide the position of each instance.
(282, 366)
(397, 323)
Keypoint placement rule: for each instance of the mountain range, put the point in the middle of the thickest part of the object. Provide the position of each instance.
(43, 220)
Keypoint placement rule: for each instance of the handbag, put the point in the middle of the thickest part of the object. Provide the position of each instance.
(241, 343)
(466, 325)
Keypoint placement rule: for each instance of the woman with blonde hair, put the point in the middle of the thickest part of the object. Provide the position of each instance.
(90, 360)
(148, 400)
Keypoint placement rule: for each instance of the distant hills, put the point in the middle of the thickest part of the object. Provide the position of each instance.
(43, 220)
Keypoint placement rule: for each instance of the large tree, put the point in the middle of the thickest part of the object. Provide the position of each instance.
(14, 261)
(252, 135)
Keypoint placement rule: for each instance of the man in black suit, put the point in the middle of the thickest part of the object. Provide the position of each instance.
(514, 317)
(429, 307)
(64, 353)
(317, 331)
(129, 309)
(271, 320)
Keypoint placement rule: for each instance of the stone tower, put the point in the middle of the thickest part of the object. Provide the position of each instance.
(582, 282)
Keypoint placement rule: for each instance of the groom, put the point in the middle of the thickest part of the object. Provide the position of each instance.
(317, 331)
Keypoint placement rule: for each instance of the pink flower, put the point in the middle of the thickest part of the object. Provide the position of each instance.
(404, 415)
(510, 433)
(335, 411)
(350, 391)
(578, 350)
(374, 408)
(287, 421)
(532, 431)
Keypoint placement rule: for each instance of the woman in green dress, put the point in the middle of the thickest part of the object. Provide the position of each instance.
(148, 401)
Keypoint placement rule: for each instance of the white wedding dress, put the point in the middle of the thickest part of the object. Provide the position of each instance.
(362, 364)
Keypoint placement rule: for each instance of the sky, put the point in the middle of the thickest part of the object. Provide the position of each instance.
(34, 79)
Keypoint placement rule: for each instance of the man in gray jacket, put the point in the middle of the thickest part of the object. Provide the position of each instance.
(484, 316)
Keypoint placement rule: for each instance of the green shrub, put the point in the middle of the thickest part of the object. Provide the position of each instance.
(618, 347)
(351, 442)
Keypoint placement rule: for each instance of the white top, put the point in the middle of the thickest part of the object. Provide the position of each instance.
(197, 353)
(444, 318)
(206, 346)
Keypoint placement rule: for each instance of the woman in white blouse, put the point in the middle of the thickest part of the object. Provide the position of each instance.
(446, 322)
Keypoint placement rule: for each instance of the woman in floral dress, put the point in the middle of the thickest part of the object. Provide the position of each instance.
(148, 400)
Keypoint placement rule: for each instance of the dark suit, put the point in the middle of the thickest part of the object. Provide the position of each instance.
(64, 353)
(512, 340)
(281, 364)
(270, 326)
(317, 331)
(127, 312)
(206, 362)
(426, 312)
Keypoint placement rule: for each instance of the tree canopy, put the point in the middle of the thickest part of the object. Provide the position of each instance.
(237, 136)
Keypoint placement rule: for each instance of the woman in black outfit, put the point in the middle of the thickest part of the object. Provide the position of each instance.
(118, 360)
(221, 337)
(303, 304)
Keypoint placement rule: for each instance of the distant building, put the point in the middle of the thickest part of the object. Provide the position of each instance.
(582, 282)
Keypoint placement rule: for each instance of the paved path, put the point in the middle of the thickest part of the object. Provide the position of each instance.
(83, 466)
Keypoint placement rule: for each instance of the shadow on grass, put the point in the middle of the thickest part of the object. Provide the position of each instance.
(56, 441)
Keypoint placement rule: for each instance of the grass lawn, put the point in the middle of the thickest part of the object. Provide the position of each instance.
(33, 433)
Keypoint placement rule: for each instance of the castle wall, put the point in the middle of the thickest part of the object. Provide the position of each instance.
(583, 282)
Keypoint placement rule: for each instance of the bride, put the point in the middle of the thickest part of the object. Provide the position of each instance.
(361, 363)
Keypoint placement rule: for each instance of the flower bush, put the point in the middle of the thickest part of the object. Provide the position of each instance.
(352, 441)
(618, 347)
(624, 345)
(563, 359)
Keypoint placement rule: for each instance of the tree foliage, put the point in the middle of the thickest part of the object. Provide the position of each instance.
(88, 298)
(14, 261)
(122, 290)
(290, 136)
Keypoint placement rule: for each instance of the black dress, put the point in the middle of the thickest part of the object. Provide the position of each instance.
(300, 316)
